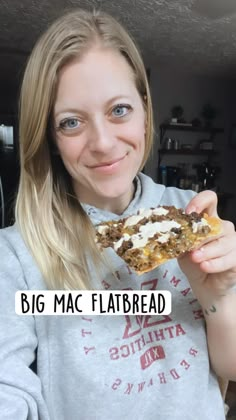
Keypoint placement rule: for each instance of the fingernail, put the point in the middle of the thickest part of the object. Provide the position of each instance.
(190, 209)
(198, 253)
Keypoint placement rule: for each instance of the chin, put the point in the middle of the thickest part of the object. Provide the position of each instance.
(115, 189)
(114, 193)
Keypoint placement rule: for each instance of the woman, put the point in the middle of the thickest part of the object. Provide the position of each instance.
(85, 133)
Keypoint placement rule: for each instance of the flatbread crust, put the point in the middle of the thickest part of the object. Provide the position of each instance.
(153, 236)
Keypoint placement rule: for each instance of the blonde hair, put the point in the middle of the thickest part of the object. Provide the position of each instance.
(53, 223)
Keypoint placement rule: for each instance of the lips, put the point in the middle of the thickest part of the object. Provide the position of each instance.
(107, 163)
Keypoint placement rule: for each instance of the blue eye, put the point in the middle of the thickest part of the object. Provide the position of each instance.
(69, 124)
(121, 110)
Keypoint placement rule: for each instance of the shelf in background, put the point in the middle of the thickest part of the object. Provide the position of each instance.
(187, 127)
(187, 152)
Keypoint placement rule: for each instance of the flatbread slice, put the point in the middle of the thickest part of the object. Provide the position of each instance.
(153, 236)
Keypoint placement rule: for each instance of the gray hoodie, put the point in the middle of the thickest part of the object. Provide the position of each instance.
(105, 367)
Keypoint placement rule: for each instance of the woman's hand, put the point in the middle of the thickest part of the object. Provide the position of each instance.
(211, 271)
(212, 267)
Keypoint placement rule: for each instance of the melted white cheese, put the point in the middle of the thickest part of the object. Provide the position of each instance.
(102, 229)
(147, 231)
(198, 225)
(163, 238)
(138, 241)
(150, 229)
(117, 244)
(160, 211)
(133, 220)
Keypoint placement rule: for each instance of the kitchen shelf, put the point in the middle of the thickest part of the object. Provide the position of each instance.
(212, 131)
(166, 172)
(188, 127)
(187, 152)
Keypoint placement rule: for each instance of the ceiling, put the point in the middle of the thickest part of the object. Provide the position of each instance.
(191, 35)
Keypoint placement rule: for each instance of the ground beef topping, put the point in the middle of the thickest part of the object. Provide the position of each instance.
(152, 234)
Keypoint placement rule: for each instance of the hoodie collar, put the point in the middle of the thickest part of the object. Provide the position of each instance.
(143, 198)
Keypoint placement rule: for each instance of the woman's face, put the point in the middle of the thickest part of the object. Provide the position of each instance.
(100, 128)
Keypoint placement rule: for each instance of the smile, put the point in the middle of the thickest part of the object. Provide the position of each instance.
(108, 166)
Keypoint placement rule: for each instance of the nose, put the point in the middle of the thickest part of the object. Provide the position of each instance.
(101, 136)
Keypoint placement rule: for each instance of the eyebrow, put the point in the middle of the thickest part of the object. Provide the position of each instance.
(75, 110)
(70, 110)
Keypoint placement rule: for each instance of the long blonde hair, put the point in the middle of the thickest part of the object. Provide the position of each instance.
(52, 222)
